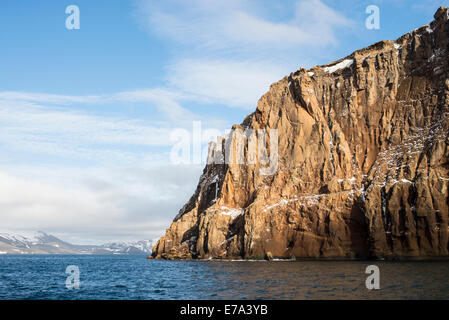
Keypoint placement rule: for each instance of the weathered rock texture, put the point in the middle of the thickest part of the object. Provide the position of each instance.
(363, 166)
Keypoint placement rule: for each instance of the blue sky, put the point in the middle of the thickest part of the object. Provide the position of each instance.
(86, 115)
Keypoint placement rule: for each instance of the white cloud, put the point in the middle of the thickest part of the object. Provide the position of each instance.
(166, 101)
(320, 21)
(94, 203)
(128, 190)
(229, 52)
(244, 28)
(232, 83)
(235, 25)
(64, 132)
(47, 98)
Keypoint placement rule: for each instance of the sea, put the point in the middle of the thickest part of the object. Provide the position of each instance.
(133, 277)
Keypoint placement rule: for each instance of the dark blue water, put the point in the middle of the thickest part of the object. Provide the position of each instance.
(134, 277)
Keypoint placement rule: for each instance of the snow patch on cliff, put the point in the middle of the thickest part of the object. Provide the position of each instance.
(234, 213)
(339, 66)
(282, 202)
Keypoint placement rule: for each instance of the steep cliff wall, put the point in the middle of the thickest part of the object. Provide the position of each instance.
(362, 167)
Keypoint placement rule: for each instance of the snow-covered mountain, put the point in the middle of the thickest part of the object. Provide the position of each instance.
(135, 247)
(43, 243)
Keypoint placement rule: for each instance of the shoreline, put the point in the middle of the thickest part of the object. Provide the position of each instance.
(332, 259)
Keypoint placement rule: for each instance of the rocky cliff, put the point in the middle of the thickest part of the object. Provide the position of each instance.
(359, 163)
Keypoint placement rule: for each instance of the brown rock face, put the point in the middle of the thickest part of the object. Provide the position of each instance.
(359, 167)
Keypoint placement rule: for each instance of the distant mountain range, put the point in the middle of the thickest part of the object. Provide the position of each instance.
(43, 243)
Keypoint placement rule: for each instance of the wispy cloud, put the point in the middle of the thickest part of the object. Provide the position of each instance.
(229, 52)
(63, 132)
(226, 82)
(94, 203)
(233, 25)
(166, 100)
(89, 176)
(47, 98)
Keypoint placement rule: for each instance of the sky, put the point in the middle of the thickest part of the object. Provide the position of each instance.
(89, 116)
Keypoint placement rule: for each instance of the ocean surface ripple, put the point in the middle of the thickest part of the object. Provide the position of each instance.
(135, 277)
